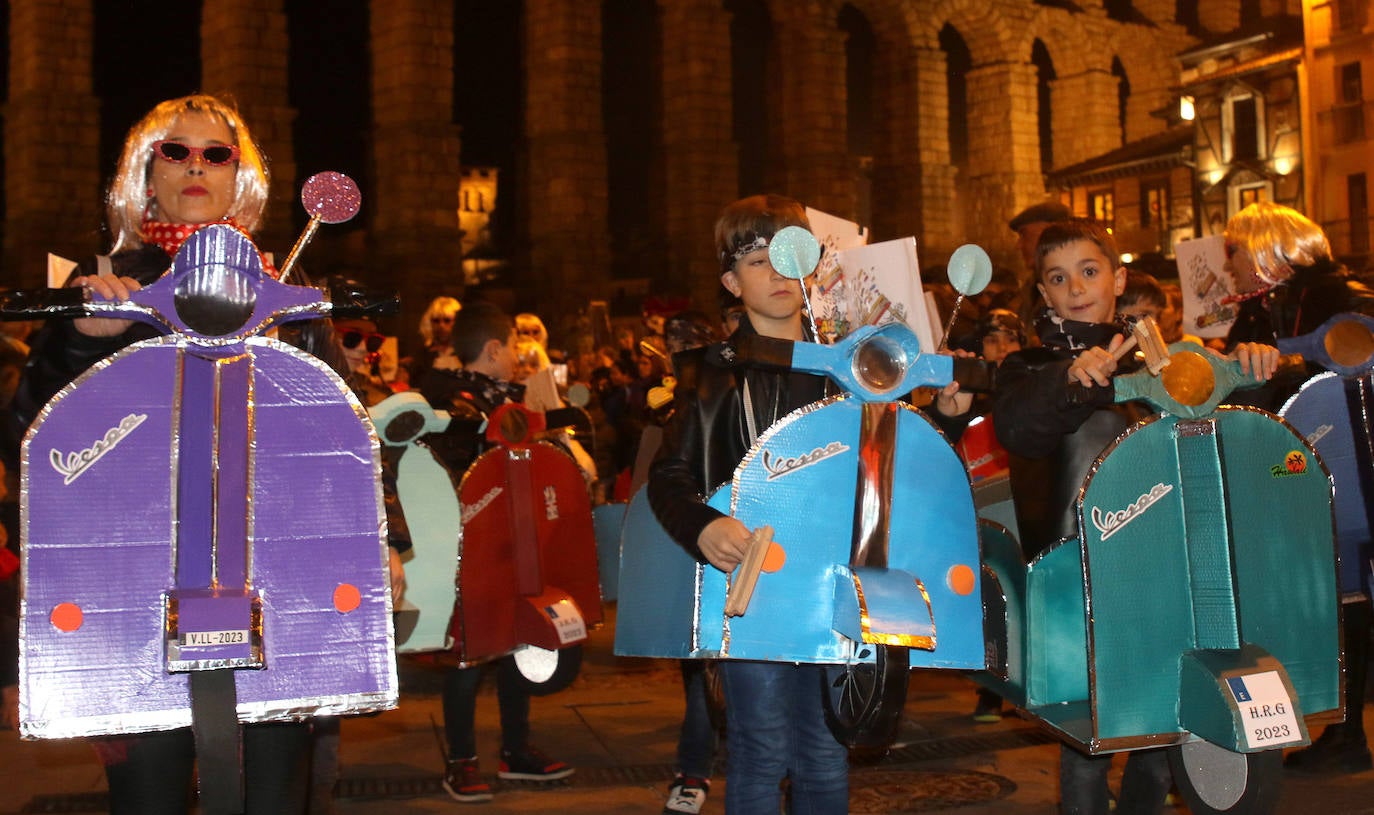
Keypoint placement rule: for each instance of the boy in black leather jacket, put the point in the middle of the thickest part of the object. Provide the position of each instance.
(775, 723)
(1056, 401)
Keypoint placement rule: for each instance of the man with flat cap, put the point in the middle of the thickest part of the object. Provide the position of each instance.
(1031, 221)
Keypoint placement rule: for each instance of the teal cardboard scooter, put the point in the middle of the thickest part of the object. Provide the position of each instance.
(1198, 608)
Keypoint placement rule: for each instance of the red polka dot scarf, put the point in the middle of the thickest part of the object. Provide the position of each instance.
(169, 237)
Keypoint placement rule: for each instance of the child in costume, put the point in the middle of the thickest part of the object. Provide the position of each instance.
(1055, 402)
(484, 340)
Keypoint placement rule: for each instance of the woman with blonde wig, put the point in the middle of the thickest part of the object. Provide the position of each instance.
(1285, 278)
(189, 162)
(132, 197)
(436, 330)
(1288, 284)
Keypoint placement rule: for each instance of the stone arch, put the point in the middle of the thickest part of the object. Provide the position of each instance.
(1152, 72)
(1062, 33)
(888, 193)
(890, 25)
(988, 28)
(753, 126)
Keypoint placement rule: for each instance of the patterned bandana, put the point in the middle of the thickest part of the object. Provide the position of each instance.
(169, 237)
(727, 261)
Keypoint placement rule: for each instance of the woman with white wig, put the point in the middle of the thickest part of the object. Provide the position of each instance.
(189, 162)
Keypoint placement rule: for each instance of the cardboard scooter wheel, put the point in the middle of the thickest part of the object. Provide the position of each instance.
(543, 672)
(1212, 779)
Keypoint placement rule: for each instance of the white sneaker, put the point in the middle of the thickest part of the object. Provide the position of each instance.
(686, 795)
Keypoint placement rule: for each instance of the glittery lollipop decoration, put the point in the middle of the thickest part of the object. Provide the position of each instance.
(329, 197)
(794, 252)
(970, 271)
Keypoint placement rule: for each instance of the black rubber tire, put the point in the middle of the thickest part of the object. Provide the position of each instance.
(863, 700)
(565, 671)
(1212, 779)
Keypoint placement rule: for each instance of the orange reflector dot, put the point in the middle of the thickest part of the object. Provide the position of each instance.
(774, 558)
(66, 617)
(960, 579)
(347, 598)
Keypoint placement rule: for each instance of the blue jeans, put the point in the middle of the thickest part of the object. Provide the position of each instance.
(696, 744)
(775, 727)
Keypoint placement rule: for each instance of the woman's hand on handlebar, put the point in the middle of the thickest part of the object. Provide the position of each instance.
(1257, 360)
(724, 542)
(1096, 365)
(105, 288)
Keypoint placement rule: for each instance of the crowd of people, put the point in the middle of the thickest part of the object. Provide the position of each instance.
(667, 415)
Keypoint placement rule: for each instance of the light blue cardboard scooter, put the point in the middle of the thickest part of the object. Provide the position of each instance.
(874, 561)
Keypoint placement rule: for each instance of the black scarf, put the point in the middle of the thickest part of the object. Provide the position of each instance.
(1056, 332)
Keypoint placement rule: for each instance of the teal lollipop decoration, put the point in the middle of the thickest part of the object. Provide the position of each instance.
(970, 271)
(794, 252)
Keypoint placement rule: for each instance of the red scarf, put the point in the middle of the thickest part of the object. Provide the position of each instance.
(1249, 295)
(169, 237)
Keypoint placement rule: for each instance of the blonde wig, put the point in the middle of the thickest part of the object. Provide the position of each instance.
(438, 307)
(1277, 238)
(529, 325)
(128, 201)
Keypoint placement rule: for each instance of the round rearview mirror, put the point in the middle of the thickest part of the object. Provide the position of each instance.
(1349, 343)
(1189, 378)
(794, 252)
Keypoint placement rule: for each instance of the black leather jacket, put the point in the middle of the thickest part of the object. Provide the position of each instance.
(1306, 300)
(1053, 439)
(707, 436)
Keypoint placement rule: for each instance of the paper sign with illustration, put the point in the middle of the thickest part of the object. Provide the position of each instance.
(882, 284)
(541, 391)
(1203, 277)
(827, 284)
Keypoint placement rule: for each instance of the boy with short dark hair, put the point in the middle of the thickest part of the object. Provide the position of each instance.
(484, 340)
(1081, 277)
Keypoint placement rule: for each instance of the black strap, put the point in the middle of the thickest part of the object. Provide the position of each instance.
(219, 741)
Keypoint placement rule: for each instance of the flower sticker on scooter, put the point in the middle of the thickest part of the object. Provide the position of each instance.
(1295, 463)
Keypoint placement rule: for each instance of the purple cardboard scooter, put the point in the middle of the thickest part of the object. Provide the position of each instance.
(204, 536)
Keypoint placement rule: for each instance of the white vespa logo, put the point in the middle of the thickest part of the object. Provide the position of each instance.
(1110, 523)
(72, 465)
